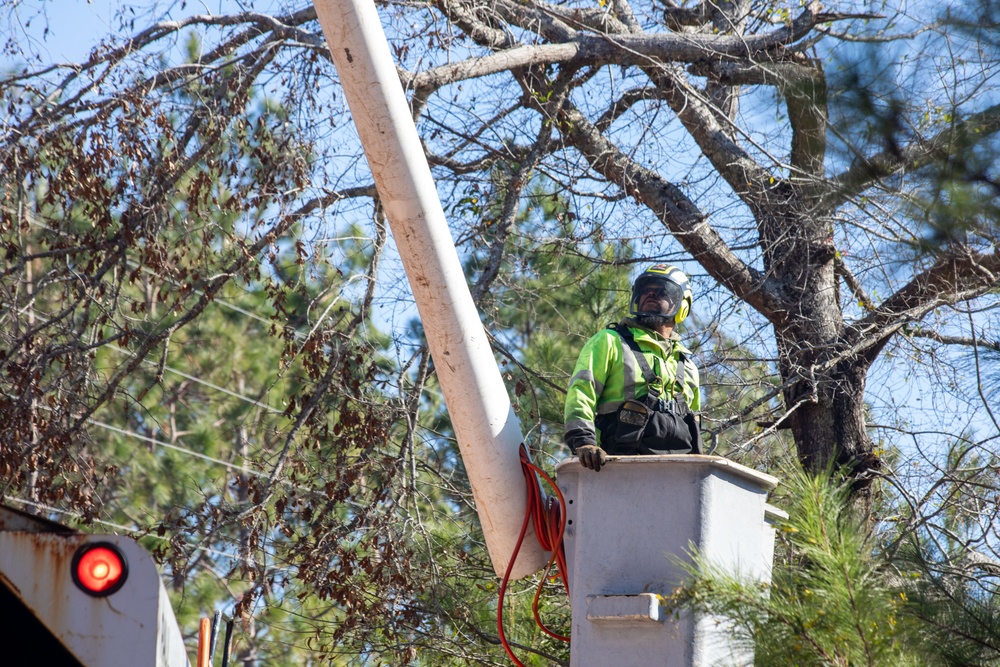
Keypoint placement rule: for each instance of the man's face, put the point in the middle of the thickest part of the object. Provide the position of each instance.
(657, 299)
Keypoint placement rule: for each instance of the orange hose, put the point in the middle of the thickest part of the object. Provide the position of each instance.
(550, 524)
(506, 579)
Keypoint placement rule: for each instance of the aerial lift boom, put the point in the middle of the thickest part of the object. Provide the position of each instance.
(488, 432)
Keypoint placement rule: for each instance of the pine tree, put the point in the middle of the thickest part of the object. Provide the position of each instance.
(831, 600)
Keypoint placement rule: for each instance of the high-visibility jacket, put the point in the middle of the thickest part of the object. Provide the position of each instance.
(607, 374)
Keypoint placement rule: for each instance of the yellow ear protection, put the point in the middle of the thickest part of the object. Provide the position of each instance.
(664, 273)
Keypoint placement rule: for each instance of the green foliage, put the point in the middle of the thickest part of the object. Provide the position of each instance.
(956, 606)
(187, 349)
(177, 361)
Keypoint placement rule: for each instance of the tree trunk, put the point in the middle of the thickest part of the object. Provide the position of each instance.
(824, 377)
(827, 418)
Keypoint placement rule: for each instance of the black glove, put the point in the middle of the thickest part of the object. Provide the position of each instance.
(591, 456)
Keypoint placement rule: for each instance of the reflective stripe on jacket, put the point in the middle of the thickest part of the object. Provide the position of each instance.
(607, 374)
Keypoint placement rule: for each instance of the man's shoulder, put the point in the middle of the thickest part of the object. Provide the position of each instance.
(602, 342)
(608, 333)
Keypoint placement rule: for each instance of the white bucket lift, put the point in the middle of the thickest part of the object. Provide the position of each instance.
(624, 524)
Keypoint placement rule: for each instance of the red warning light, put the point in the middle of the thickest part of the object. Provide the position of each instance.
(99, 568)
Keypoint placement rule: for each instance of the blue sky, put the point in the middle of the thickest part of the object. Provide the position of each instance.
(73, 27)
(76, 26)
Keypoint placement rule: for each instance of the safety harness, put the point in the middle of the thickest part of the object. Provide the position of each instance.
(654, 424)
(652, 379)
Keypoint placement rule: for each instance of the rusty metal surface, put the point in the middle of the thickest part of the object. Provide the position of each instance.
(134, 626)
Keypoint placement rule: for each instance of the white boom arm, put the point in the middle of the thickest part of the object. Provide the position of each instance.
(488, 431)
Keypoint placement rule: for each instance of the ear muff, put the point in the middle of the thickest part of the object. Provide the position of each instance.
(685, 309)
(677, 276)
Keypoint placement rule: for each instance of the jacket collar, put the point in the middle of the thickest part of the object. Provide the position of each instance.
(649, 333)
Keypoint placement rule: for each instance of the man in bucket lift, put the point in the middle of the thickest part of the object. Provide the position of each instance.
(635, 389)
